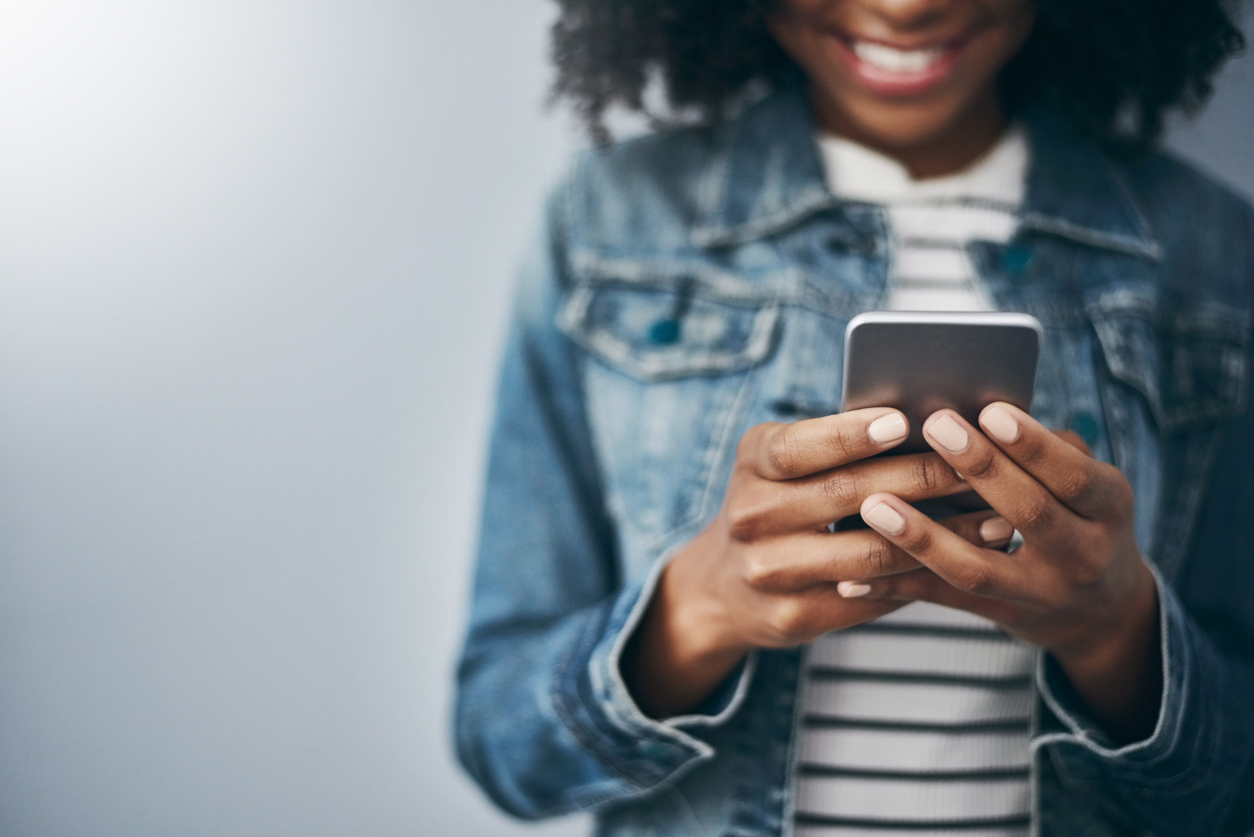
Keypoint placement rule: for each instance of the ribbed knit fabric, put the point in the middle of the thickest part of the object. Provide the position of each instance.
(917, 723)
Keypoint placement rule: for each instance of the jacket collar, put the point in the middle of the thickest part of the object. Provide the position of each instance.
(766, 175)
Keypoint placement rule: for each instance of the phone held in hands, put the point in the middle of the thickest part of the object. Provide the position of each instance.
(922, 361)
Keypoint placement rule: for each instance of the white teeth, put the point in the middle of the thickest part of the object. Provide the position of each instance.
(896, 60)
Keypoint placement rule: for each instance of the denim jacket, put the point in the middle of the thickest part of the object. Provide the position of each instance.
(691, 284)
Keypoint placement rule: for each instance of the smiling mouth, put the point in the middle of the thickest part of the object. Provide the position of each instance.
(899, 61)
(892, 71)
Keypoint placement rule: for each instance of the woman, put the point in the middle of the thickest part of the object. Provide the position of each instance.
(667, 631)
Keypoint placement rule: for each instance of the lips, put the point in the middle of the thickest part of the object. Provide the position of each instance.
(894, 71)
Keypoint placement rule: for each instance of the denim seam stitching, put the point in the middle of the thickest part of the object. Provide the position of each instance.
(1202, 753)
(718, 446)
(567, 716)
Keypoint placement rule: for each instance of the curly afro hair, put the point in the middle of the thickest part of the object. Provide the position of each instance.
(1113, 67)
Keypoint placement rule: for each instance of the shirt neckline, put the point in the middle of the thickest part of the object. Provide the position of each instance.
(856, 172)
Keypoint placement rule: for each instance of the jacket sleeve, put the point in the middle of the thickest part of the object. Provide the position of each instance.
(1194, 775)
(543, 720)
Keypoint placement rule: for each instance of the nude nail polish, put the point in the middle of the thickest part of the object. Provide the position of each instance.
(885, 518)
(949, 434)
(890, 428)
(852, 589)
(1000, 424)
(996, 529)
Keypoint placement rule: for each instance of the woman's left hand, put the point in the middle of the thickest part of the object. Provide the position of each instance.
(1077, 587)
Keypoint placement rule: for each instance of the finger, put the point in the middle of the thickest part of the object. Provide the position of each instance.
(790, 565)
(802, 617)
(1090, 488)
(789, 451)
(794, 564)
(1027, 504)
(923, 585)
(1074, 440)
(984, 528)
(973, 569)
(775, 508)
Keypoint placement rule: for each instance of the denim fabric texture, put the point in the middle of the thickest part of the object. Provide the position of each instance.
(691, 284)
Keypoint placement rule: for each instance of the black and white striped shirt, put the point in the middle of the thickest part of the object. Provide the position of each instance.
(917, 723)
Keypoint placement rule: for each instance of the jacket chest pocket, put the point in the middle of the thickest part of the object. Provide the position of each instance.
(667, 333)
(1190, 363)
(668, 359)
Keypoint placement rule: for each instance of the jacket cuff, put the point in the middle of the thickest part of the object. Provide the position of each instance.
(605, 716)
(1176, 748)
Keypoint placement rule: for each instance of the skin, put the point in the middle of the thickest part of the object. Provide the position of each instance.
(1078, 586)
(932, 133)
(767, 573)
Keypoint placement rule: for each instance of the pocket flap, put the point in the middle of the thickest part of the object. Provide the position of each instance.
(1190, 363)
(668, 329)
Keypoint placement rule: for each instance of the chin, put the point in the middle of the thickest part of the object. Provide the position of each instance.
(902, 125)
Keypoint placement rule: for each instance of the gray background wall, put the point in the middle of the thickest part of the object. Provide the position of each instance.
(254, 258)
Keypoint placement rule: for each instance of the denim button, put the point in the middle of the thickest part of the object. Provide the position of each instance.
(1016, 258)
(849, 241)
(1085, 426)
(664, 332)
(838, 242)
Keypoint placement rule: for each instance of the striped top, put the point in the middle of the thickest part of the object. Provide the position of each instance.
(917, 723)
(933, 220)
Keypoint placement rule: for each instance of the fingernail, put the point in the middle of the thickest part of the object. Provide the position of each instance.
(885, 518)
(890, 428)
(949, 434)
(1000, 423)
(996, 529)
(852, 589)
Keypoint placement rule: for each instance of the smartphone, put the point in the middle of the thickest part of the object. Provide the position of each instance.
(922, 361)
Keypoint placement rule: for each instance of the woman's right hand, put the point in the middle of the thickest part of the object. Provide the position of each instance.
(764, 572)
